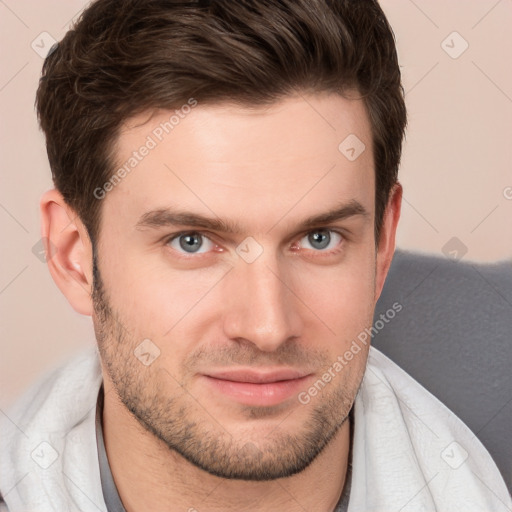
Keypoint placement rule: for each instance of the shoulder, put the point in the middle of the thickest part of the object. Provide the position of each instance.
(34, 432)
(70, 384)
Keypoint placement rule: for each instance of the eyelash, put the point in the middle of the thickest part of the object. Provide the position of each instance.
(320, 253)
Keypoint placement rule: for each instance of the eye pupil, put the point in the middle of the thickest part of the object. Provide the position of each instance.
(191, 241)
(320, 237)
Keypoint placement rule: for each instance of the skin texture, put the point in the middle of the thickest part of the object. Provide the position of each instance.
(173, 439)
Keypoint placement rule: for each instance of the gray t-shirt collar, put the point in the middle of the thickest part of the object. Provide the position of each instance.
(110, 494)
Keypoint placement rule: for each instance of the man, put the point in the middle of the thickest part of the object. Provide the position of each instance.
(225, 210)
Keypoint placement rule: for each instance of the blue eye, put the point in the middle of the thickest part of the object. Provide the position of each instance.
(191, 243)
(321, 239)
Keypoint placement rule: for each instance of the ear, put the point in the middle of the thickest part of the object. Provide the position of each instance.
(386, 244)
(68, 251)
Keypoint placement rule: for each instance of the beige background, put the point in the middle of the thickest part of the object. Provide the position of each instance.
(456, 167)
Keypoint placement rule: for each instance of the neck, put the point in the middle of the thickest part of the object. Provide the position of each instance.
(150, 476)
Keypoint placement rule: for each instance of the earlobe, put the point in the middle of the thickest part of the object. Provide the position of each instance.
(386, 244)
(69, 251)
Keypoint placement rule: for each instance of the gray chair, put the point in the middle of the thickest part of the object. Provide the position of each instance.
(454, 336)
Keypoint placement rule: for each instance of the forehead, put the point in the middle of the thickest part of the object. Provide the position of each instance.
(256, 162)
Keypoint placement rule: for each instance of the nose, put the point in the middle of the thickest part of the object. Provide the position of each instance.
(260, 304)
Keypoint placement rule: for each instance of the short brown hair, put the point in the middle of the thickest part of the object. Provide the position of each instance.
(126, 57)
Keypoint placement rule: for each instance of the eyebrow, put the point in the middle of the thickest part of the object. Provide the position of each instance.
(166, 217)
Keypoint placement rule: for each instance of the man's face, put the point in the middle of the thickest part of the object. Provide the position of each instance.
(243, 321)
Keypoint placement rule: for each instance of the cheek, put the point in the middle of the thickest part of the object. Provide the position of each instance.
(341, 296)
(153, 299)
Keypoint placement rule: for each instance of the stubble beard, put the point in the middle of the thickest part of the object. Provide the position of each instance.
(186, 428)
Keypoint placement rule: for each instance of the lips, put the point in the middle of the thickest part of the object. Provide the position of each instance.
(258, 388)
(258, 377)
